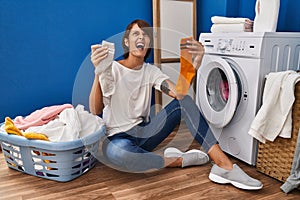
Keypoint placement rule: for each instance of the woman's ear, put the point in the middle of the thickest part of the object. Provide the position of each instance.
(126, 42)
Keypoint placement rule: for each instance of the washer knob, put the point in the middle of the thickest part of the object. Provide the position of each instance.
(223, 45)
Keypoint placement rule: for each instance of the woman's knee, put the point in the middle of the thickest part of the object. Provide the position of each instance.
(178, 103)
(116, 150)
(173, 107)
(187, 98)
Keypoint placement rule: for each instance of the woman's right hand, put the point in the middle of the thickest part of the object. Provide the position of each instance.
(99, 52)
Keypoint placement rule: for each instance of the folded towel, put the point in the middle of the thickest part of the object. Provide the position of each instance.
(274, 118)
(230, 20)
(225, 28)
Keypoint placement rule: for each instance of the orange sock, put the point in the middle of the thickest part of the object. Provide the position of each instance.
(187, 70)
(10, 128)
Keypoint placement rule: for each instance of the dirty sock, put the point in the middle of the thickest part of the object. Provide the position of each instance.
(187, 70)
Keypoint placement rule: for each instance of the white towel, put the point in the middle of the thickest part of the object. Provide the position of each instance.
(274, 118)
(230, 20)
(266, 15)
(225, 28)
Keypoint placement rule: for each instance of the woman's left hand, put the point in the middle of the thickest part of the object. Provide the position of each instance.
(197, 50)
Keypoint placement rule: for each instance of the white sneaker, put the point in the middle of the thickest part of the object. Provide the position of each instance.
(190, 158)
(237, 177)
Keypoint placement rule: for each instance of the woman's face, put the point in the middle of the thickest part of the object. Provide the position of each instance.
(138, 42)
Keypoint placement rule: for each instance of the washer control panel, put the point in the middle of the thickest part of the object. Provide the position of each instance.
(232, 45)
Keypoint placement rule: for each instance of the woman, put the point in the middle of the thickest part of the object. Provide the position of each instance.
(133, 134)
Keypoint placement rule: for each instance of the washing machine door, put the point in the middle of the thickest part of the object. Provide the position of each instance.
(218, 93)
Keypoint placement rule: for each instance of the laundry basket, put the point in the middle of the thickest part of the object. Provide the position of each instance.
(275, 158)
(59, 161)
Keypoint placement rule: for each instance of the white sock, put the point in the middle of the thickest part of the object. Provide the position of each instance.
(106, 63)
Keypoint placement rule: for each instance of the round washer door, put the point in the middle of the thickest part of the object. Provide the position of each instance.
(218, 92)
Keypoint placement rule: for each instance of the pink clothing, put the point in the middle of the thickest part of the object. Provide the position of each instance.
(40, 117)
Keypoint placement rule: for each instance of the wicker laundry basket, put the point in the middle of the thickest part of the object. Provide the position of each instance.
(275, 158)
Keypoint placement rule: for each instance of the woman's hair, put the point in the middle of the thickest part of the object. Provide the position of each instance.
(146, 28)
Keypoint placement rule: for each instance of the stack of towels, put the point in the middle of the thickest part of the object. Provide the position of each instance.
(231, 24)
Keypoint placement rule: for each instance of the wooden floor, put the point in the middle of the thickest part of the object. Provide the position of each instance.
(105, 183)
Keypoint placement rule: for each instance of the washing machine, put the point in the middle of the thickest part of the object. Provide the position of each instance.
(230, 83)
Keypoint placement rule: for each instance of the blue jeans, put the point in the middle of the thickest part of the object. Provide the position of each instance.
(131, 150)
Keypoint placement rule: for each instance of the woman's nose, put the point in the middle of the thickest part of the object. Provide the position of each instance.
(141, 36)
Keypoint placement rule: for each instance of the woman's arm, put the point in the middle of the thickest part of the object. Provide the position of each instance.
(168, 87)
(197, 50)
(96, 98)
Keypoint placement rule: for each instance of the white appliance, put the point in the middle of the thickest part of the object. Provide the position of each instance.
(230, 82)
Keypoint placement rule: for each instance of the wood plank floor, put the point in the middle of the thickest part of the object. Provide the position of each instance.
(103, 182)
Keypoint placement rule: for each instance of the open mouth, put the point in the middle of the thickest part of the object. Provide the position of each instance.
(140, 46)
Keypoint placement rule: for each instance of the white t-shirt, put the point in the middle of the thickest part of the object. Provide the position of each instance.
(130, 102)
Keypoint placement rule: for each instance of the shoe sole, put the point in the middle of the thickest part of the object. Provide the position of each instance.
(221, 180)
(175, 153)
(196, 151)
(172, 153)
